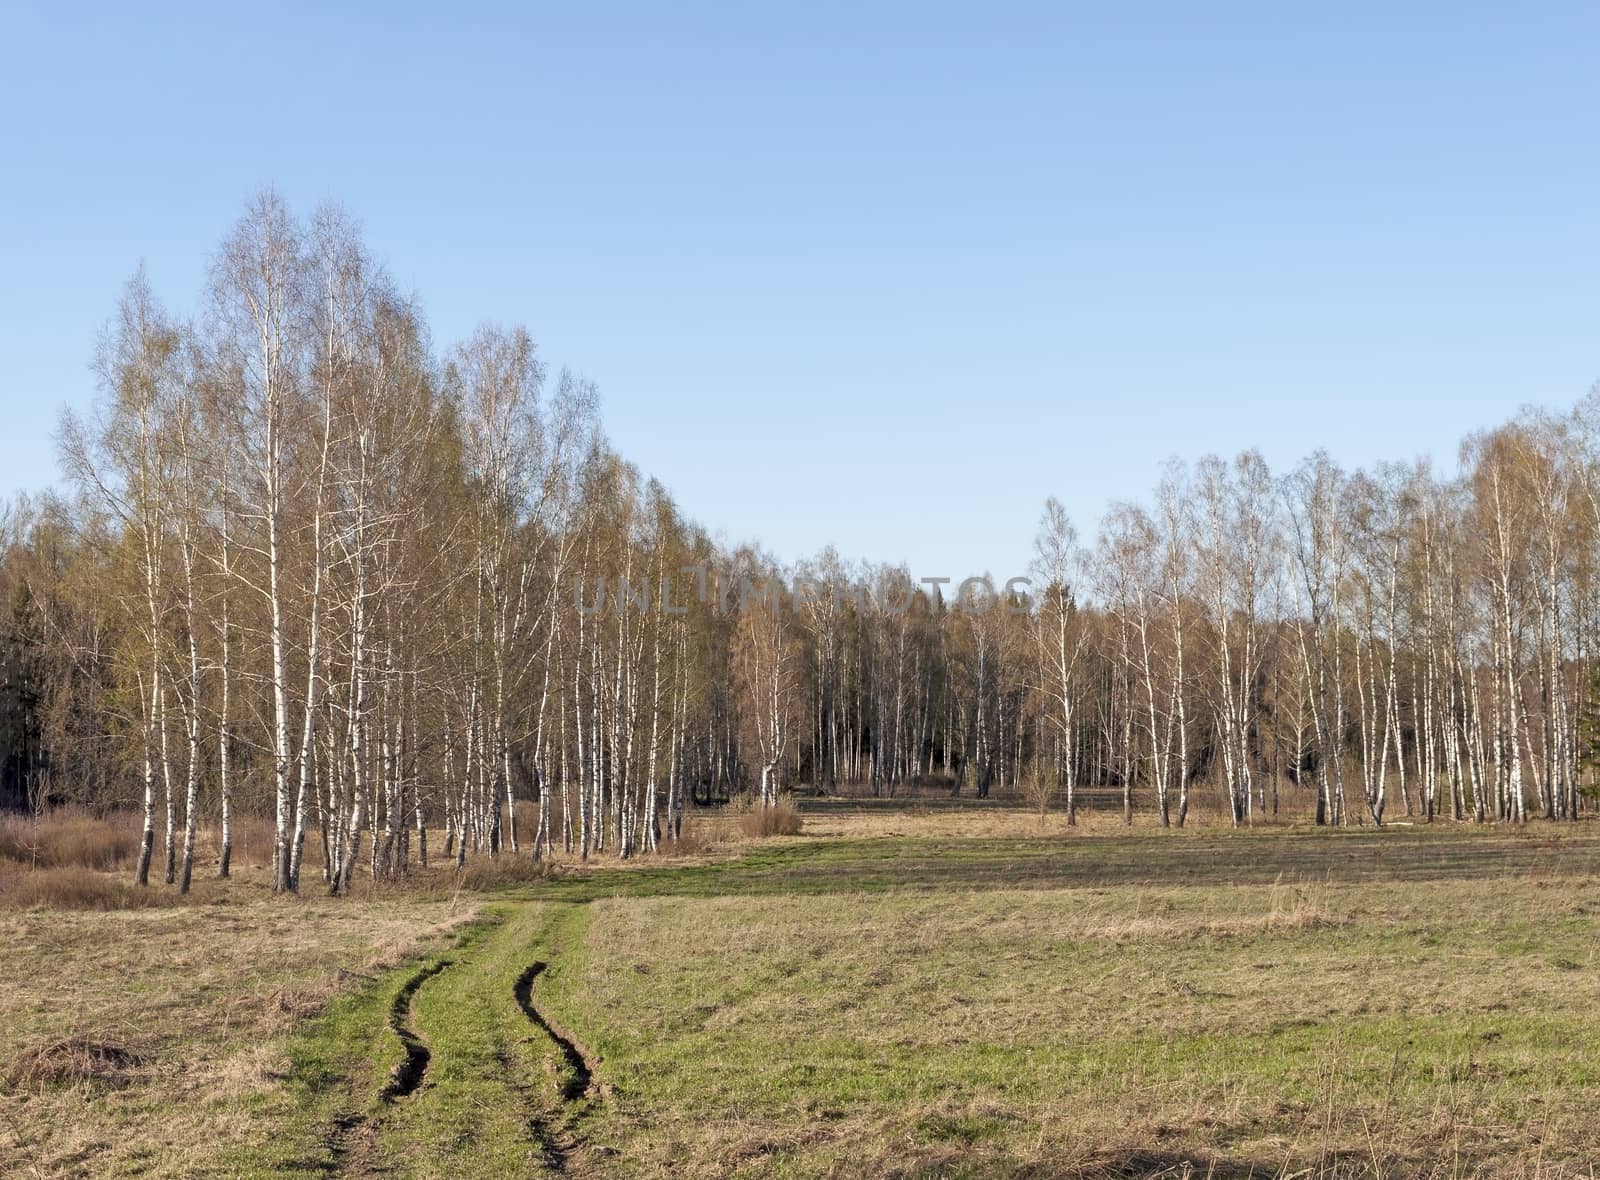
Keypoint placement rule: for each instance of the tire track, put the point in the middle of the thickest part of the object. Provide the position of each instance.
(559, 1140)
(341, 1144)
(580, 1063)
(352, 1140)
(408, 1075)
(555, 1144)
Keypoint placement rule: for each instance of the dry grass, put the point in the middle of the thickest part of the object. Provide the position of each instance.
(73, 859)
(509, 868)
(183, 1009)
(703, 835)
(52, 878)
(77, 837)
(1031, 811)
(64, 859)
(75, 889)
(252, 843)
(782, 819)
(77, 1060)
(69, 838)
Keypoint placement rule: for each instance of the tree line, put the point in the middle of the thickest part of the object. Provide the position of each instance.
(315, 568)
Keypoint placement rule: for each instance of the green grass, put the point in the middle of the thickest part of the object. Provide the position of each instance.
(1409, 1002)
(484, 1107)
(1086, 1027)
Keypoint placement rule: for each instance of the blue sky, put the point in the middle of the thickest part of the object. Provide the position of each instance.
(881, 275)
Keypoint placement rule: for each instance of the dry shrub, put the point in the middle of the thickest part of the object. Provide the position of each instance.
(509, 868)
(75, 889)
(1300, 906)
(78, 1060)
(252, 841)
(1040, 794)
(70, 837)
(700, 835)
(780, 820)
(528, 818)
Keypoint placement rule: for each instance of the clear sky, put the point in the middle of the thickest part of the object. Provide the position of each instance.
(881, 275)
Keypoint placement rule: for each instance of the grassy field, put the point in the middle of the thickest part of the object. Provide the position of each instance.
(882, 995)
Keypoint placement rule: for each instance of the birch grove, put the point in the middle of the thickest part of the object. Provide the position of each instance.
(409, 603)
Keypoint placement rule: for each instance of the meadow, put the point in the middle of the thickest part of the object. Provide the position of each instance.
(904, 988)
